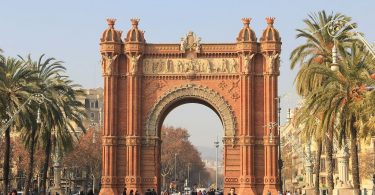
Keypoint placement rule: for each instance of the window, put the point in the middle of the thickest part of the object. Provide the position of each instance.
(92, 105)
(323, 180)
(322, 165)
(335, 167)
(92, 115)
(87, 103)
(96, 104)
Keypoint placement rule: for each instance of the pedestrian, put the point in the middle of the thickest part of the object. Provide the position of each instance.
(136, 192)
(14, 192)
(232, 191)
(148, 192)
(124, 191)
(153, 192)
(131, 192)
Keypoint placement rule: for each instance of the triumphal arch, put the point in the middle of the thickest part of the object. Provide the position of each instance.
(143, 82)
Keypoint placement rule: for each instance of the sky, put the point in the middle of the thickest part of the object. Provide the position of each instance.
(70, 30)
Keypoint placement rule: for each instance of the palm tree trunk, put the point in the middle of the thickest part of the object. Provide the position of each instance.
(354, 154)
(6, 161)
(317, 166)
(330, 161)
(47, 154)
(30, 171)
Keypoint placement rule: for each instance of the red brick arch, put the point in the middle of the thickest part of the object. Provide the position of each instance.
(144, 81)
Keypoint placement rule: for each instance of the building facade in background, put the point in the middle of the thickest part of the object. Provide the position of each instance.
(299, 158)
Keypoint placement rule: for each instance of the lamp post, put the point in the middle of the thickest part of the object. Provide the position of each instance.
(217, 154)
(37, 97)
(279, 161)
(175, 167)
(188, 175)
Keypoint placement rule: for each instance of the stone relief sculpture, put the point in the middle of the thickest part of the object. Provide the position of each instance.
(133, 62)
(190, 43)
(272, 62)
(107, 62)
(247, 62)
(203, 66)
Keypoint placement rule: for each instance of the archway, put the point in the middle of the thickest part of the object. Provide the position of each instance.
(143, 81)
(189, 135)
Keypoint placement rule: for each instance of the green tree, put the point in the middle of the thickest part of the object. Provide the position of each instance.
(16, 88)
(317, 52)
(341, 100)
(63, 115)
(47, 73)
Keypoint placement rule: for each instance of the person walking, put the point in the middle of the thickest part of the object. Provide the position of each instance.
(232, 191)
(124, 192)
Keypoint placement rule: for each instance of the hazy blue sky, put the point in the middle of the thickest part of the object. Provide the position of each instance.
(70, 31)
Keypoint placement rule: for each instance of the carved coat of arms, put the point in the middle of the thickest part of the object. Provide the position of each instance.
(190, 43)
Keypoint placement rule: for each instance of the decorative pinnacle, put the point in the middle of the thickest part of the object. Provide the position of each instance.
(111, 22)
(246, 21)
(135, 22)
(270, 20)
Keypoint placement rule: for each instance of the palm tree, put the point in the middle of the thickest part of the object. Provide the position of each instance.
(46, 73)
(318, 46)
(16, 87)
(60, 113)
(66, 116)
(341, 98)
(316, 52)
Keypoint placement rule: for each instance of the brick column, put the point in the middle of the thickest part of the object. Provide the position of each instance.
(133, 178)
(247, 178)
(271, 137)
(109, 179)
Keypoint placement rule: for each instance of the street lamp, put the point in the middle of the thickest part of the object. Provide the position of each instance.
(93, 125)
(279, 161)
(188, 175)
(270, 127)
(217, 154)
(175, 167)
(37, 97)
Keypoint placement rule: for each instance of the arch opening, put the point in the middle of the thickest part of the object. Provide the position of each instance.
(185, 94)
(191, 129)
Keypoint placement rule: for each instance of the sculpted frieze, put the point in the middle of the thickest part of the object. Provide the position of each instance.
(182, 66)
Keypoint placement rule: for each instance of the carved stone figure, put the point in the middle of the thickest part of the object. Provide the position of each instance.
(247, 62)
(271, 61)
(223, 67)
(190, 43)
(233, 66)
(170, 66)
(133, 62)
(107, 62)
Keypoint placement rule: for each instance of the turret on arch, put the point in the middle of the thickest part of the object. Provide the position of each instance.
(142, 81)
